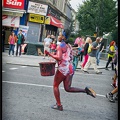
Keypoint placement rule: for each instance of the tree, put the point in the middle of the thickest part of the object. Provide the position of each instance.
(100, 14)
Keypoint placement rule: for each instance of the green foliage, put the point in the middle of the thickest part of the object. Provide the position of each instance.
(115, 35)
(72, 38)
(97, 13)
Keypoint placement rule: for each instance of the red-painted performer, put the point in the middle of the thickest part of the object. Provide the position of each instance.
(65, 72)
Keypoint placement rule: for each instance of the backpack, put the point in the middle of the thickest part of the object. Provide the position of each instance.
(89, 48)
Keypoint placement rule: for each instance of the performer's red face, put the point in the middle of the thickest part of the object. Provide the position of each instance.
(59, 38)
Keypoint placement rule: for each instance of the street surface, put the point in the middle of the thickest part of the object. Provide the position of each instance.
(26, 95)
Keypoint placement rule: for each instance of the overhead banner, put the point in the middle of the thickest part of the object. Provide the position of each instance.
(36, 18)
(56, 22)
(12, 21)
(15, 4)
(37, 8)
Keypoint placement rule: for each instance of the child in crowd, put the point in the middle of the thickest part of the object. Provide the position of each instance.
(53, 47)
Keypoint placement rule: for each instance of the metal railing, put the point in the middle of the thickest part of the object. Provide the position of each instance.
(104, 55)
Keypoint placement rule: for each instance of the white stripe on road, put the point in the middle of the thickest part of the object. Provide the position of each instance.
(29, 84)
(37, 85)
(3, 71)
(23, 66)
(13, 68)
(76, 72)
(100, 95)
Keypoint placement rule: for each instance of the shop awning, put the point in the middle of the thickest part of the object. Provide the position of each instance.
(56, 22)
(13, 12)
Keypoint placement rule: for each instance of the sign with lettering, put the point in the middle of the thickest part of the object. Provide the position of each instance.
(24, 30)
(37, 8)
(53, 12)
(36, 18)
(47, 20)
(15, 4)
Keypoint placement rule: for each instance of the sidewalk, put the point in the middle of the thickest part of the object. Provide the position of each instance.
(33, 61)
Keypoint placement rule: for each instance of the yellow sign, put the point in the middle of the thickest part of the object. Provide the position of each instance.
(47, 20)
(36, 18)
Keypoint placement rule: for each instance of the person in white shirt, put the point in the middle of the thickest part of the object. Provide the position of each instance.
(47, 42)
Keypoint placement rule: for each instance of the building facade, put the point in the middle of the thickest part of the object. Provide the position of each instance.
(39, 17)
(75, 24)
(13, 15)
(56, 17)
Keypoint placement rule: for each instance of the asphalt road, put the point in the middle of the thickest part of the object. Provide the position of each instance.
(26, 95)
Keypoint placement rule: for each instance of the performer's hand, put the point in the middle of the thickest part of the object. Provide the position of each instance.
(46, 52)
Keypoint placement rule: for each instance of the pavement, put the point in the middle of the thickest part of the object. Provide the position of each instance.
(33, 61)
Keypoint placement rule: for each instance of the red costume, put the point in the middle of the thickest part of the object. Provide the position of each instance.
(65, 73)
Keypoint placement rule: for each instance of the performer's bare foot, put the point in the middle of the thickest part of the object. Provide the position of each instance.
(90, 91)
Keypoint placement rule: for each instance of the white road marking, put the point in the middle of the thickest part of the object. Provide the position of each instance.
(37, 85)
(100, 95)
(13, 68)
(28, 84)
(76, 72)
(23, 66)
(3, 71)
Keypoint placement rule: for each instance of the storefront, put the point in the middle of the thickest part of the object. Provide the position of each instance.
(53, 22)
(12, 14)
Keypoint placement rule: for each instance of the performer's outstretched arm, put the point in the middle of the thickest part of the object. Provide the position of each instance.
(58, 55)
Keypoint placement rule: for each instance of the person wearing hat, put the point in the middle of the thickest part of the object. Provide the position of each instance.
(11, 41)
(65, 72)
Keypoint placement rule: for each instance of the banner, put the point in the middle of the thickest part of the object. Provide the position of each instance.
(24, 30)
(12, 21)
(37, 8)
(15, 4)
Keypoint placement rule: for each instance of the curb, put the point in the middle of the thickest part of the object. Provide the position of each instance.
(22, 64)
(38, 65)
